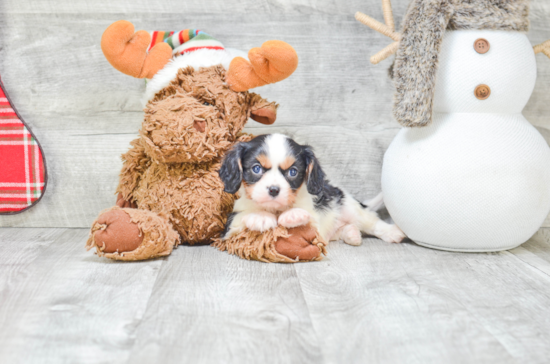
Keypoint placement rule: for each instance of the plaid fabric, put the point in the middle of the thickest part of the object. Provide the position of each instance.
(22, 172)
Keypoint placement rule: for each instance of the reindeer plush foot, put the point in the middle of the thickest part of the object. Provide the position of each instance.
(131, 234)
(277, 245)
(300, 245)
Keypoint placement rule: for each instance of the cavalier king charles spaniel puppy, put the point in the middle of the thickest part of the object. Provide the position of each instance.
(280, 182)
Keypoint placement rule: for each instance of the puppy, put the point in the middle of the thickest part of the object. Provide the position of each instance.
(281, 183)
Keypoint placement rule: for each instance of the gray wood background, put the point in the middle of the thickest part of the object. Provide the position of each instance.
(84, 112)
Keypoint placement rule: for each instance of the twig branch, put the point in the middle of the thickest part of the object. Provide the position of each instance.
(388, 14)
(544, 47)
(387, 29)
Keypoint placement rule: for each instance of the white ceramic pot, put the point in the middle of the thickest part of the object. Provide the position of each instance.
(478, 177)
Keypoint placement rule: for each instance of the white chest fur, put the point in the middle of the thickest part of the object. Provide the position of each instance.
(478, 177)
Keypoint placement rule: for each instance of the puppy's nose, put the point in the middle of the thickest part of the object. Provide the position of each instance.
(200, 125)
(274, 190)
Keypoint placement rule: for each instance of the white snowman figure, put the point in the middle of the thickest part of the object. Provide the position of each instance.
(467, 172)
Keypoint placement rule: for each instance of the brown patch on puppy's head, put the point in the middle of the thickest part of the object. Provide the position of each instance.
(264, 161)
(288, 162)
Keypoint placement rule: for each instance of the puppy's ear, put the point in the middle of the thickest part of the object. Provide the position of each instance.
(231, 172)
(315, 177)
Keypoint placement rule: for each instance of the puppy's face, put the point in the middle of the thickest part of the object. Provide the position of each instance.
(271, 169)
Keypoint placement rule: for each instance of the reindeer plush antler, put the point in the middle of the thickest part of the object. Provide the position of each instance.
(274, 61)
(127, 51)
(387, 29)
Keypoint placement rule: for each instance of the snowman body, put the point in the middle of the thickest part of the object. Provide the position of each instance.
(478, 177)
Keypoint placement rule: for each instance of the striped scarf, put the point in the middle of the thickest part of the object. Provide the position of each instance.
(186, 40)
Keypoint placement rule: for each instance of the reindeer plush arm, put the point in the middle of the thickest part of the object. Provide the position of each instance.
(135, 163)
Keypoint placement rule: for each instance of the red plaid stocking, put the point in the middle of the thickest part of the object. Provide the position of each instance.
(22, 166)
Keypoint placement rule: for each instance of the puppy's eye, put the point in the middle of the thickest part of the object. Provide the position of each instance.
(257, 169)
(206, 103)
(292, 172)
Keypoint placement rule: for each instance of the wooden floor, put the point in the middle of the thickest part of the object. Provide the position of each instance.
(377, 303)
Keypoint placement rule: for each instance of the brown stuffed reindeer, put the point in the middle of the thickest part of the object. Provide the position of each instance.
(197, 105)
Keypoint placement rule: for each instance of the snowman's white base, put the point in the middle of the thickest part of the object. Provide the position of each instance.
(437, 247)
(468, 182)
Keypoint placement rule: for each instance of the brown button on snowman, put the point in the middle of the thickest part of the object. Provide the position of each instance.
(482, 92)
(468, 172)
(481, 46)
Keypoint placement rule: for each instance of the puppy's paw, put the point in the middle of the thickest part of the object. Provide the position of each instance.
(294, 217)
(260, 221)
(351, 235)
(388, 233)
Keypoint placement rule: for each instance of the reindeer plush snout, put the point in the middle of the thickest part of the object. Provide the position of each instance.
(181, 129)
(200, 125)
(197, 117)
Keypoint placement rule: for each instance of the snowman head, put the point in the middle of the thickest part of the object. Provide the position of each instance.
(499, 79)
(436, 71)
